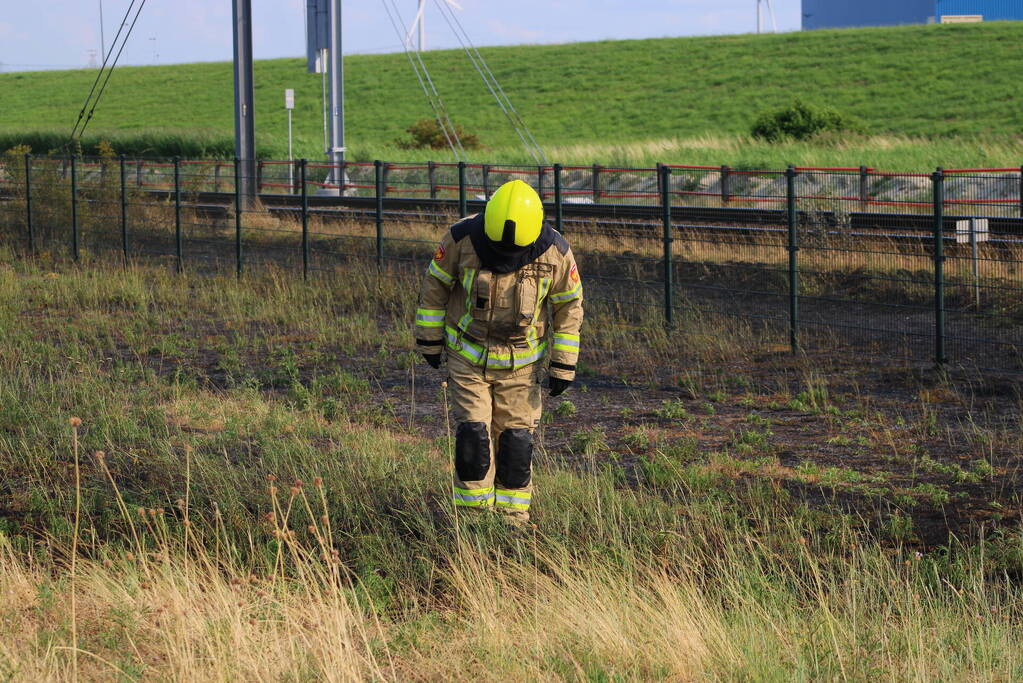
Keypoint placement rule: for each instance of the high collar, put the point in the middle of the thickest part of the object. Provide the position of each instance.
(492, 260)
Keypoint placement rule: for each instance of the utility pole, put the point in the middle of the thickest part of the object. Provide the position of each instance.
(244, 112)
(337, 96)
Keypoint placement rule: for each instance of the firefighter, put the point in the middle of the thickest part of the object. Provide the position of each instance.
(501, 295)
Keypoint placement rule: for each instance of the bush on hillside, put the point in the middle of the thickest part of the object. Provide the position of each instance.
(800, 121)
(427, 134)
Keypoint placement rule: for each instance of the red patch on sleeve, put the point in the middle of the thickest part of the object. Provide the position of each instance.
(439, 254)
(574, 273)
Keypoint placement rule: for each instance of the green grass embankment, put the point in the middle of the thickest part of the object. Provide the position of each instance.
(929, 95)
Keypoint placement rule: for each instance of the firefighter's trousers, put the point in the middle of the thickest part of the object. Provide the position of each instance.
(496, 413)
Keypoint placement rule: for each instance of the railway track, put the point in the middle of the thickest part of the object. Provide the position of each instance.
(631, 218)
(621, 219)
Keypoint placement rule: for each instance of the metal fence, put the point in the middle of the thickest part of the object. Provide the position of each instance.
(918, 266)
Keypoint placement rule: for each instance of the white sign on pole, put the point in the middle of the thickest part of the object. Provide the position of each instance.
(289, 99)
(980, 230)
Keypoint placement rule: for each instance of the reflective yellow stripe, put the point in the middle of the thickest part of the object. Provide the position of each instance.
(516, 500)
(430, 317)
(467, 279)
(439, 273)
(566, 342)
(498, 361)
(531, 337)
(545, 286)
(563, 297)
(473, 497)
(474, 492)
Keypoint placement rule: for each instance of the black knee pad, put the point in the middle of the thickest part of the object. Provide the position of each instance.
(472, 451)
(514, 458)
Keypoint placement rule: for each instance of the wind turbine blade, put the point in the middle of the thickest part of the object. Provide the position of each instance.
(770, 9)
(414, 25)
(453, 4)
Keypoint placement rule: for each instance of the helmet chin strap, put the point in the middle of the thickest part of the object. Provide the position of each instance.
(507, 244)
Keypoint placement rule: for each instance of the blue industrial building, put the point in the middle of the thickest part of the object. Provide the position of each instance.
(832, 14)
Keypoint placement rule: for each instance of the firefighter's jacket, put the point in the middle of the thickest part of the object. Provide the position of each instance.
(492, 312)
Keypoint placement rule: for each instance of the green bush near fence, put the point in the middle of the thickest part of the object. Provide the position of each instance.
(802, 121)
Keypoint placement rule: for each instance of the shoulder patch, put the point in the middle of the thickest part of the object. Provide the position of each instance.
(561, 243)
(464, 227)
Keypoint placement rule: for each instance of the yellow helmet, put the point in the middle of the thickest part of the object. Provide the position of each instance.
(514, 216)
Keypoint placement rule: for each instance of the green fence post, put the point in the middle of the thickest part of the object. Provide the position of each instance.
(596, 183)
(238, 216)
(939, 266)
(177, 214)
(486, 182)
(559, 216)
(379, 170)
(669, 303)
(462, 207)
(305, 217)
(74, 206)
(431, 176)
(864, 188)
(124, 211)
(726, 195)
(790, 192)
(28, 204)
(1021, 191)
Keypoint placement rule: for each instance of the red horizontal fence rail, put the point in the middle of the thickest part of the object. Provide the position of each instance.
(734, 186)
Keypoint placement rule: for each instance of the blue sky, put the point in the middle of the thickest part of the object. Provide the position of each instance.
(61, 33)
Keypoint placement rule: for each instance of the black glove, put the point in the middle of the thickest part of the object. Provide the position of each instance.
(433, 359)
(559, 385)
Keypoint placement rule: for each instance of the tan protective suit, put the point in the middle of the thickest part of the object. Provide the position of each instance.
(497, 327)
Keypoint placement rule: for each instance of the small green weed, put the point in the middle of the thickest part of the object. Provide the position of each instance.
(673, 410)
(565, 409)
(588, 441)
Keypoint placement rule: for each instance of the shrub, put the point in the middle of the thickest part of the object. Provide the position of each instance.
(427, 134)
(800, 121)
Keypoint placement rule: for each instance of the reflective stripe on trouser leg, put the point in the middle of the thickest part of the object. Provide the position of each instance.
(513, 500)
(475, 498)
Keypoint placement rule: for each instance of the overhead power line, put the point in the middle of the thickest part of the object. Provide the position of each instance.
(480, 64)
(105, 73)
(415, 58)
